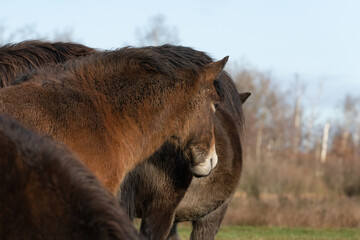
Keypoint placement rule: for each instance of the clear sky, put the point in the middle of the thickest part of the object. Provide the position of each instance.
(318, 39)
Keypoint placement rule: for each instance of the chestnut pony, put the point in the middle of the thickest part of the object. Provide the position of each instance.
(114, 109)
(46, 193)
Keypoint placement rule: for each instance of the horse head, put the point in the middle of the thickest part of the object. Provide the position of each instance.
(200, 145)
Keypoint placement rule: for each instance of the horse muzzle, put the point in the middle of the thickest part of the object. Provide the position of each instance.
(204, 168)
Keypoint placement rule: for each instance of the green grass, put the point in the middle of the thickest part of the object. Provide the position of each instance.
(276, 233)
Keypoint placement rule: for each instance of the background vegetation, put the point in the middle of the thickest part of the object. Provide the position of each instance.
(298, 171)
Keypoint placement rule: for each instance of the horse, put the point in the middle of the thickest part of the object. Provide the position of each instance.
(164, 193)
(115, 108)
(46, 193)
(27, 56)
(23, 57)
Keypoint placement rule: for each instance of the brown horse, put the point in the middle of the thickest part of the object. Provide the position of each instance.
(160, 192)
(16, 59)
(46, 193)
(114, 109)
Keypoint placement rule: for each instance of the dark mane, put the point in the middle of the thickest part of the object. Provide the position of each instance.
(163, 59)
(28, 57)
(19, 58)
(181, 57)
(166, 59)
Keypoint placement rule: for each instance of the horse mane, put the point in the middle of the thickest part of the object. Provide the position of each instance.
(167, 59)
(19, 58)
(23, 60)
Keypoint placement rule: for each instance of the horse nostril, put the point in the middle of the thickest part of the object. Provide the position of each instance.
(211, 163)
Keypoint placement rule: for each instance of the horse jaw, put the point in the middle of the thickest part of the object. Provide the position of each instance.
(204, 168)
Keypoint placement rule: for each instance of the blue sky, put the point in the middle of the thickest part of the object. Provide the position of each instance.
(318, 39)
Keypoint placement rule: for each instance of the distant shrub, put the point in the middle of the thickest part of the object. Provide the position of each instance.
(343, 176)
(279, 176)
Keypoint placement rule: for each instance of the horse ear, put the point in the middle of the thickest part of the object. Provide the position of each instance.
(244, 96)
(213, 70)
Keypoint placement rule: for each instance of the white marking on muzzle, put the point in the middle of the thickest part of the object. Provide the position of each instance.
(204, 168)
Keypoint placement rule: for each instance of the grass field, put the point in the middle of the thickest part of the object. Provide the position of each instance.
(276, 233)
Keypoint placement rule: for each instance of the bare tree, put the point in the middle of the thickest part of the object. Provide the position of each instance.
(157, 33)
(344, 144)
(297, 121)
(310, 138)
(324, 144)
(267, 114)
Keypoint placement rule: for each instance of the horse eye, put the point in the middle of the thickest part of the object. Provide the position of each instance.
(216, 105)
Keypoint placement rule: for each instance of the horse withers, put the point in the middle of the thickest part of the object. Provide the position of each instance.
(46, 193)
(114, 109)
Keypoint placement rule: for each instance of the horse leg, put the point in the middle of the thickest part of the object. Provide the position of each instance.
(159, 209)
(157, 223)
(163, 190)
(173, 235)
(207, 227)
